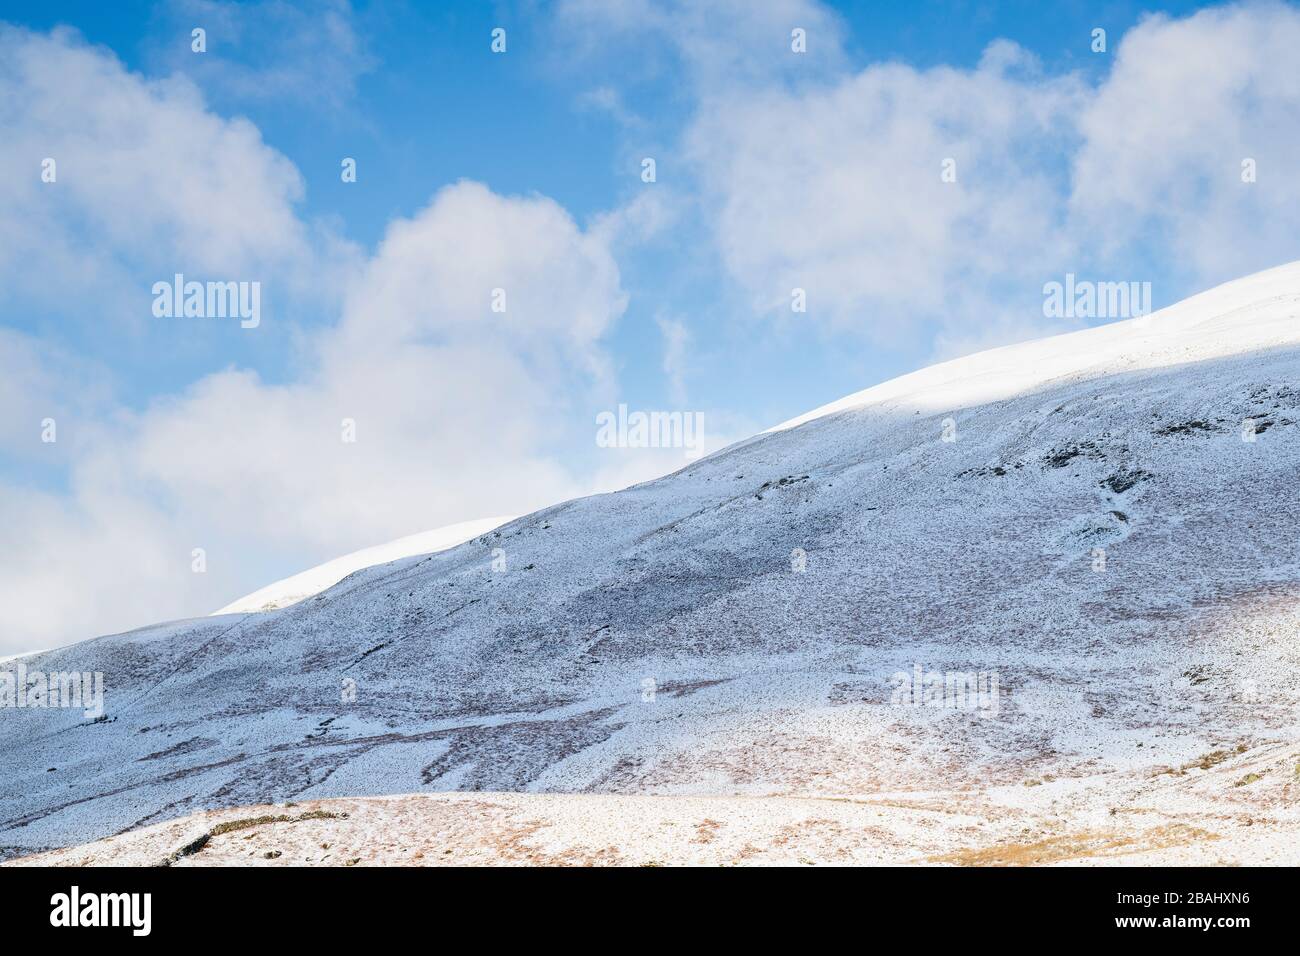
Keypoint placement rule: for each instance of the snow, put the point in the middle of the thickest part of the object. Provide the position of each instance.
(1205, 326)
(13, 657)
(660, 645)
(1109, 820)
(307, 583)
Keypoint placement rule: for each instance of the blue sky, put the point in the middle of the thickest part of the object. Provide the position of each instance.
(774, 170)
(433, 105)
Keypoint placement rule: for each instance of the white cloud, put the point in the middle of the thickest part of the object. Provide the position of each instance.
(837, 190)
(718, 42)
(1164, 138)
(148, 183)
(822, 180)
(677, 343)
(91, 562)
(453, 403)
(830, 181)
(309, 54)
(643, 217)
(460, 411)
(559, 284)
(607, 100)
(40, 381)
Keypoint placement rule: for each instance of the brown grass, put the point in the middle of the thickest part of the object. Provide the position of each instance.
(1077, 846)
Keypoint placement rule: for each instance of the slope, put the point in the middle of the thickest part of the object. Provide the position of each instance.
(1098, 549)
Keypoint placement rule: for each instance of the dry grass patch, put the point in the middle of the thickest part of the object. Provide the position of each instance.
(1077, 846)
(230, 826)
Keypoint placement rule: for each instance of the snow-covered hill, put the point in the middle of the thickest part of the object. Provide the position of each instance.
(1100, 550)
(307, 583)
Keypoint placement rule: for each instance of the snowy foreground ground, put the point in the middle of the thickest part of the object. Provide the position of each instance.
(1126, 819)
(706, 668)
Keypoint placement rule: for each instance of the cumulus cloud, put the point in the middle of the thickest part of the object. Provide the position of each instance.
(40, 381)
(839, 190)
(458, 409)
(1165, 136)
(818, 177)
(452, 402)
(557, 284)
(147, 182)
(807, 175)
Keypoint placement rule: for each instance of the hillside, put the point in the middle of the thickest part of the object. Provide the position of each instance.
(311, 582)
(1114, 567)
